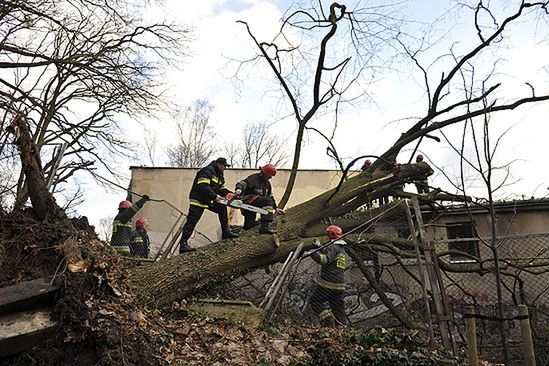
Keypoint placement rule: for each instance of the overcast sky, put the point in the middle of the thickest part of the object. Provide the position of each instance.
(366, 128)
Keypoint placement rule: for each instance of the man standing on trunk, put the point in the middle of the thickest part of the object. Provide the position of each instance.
(422, 185)
(207, 191)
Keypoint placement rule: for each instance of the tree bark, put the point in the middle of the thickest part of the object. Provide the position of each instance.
(162, 283)
(42, 200)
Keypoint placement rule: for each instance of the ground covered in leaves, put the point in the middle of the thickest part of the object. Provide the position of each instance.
(102, 322)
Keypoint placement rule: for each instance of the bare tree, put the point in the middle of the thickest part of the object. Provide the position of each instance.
(233, 151)
(72, 68)
(344, 47)
(9, 168)
(477, 151)
(195, 146)
(306, 222)
(260, 146)
(105, 228)
(164, 282)
(150, 143)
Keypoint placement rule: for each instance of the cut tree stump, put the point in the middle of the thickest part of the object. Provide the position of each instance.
(26, 295)
(24, 330)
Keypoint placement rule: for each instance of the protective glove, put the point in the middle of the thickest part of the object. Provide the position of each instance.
(218, 198)
(238, 192)
(307, 253)
(146, 197)
(279, 211)
(316, 243)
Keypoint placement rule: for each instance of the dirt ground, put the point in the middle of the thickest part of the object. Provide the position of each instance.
(102, 322)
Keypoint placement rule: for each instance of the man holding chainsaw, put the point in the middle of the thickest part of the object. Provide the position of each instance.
(207, 192)
(256, 191)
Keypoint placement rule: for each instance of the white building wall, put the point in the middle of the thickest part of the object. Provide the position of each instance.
(173, 185)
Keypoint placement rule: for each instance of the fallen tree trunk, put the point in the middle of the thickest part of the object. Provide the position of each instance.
(164, 282)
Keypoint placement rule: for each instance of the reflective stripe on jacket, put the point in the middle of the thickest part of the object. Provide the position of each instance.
(208, 183)
(140, 243)
(333, 264)
(122, 227)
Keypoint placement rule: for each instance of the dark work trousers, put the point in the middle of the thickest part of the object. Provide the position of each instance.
(249, 216)
(422, 186)
(195, 213)
(335, 298)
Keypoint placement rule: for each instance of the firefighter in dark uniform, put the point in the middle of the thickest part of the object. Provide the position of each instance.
(331, 285)
(122, 227)
(139, 241)
(256, 190)
(366, 164)
(208, 188)
(422, 184)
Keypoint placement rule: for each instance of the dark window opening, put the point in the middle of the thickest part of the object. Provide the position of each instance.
(463, 230)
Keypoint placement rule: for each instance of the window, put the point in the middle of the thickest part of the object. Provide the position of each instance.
(462, 230)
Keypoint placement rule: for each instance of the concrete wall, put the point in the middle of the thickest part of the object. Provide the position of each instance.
(174, 184)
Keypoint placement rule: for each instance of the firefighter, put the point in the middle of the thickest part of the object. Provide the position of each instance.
(207, 191)
(331, 285)
(256, 190)
(422, 185)
(122, 227)
(139, 240)
(366, 164)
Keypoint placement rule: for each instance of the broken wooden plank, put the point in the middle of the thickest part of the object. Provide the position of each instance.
(26, 295)
(24, 330)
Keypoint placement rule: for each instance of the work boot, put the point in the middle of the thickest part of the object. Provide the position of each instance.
(228, 234)
(267, 228)
(328, 322)
(249, 221)
(250, 224)
(185, 248)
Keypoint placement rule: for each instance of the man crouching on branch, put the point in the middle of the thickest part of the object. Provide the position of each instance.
(256, 190)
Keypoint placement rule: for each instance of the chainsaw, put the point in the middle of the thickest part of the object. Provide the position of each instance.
(232, 201)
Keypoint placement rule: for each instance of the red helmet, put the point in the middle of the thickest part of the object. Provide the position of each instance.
(419, 158)
(124, 204)
(269, 170)
(334, 232)
(142, 221)
(368, 162)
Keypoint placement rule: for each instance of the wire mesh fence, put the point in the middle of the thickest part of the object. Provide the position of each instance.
(387, 282)
(524, 263)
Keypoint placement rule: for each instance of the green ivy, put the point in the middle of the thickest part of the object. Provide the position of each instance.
(381, 347)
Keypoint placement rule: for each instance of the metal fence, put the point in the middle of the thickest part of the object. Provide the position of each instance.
(524, 262)
(389, 283)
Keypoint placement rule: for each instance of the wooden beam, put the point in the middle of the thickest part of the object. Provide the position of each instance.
(24, 330)
(26, 295)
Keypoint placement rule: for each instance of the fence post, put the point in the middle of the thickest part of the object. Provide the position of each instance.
(526, 333)
(471, 325)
